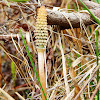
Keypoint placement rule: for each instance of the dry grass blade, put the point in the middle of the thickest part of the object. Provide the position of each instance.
(19, 96)
(64, 68)
(64, 56)
(6, 94)
(77, 88)
(77, 61)
(87, 82)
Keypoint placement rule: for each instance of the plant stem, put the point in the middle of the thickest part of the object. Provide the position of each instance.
(97, 54)
(41, 70)
(32, 64)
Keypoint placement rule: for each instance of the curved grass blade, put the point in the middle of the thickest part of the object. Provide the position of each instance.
(94, 17)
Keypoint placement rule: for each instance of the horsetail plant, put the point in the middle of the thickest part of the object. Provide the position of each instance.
(41, 35)
(29, 55)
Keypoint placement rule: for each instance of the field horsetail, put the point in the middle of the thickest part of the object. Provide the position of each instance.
(41, 36)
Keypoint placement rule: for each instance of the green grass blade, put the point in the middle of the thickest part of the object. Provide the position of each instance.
(7, 3)
(97, 51)
(94, 17)
(98, 1)
(97, 55)
(29, 55)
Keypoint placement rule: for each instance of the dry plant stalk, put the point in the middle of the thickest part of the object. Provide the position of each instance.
(6, 94)
(64, 68)
(73, 75)
(41, 35)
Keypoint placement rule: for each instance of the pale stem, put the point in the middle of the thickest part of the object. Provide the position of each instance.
(41, 70)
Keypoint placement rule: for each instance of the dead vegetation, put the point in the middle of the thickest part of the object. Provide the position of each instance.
(70, 56)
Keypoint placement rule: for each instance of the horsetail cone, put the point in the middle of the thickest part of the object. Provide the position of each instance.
(41, 33)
